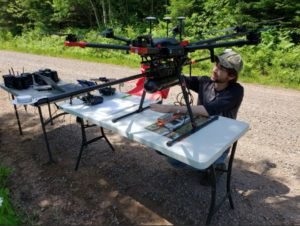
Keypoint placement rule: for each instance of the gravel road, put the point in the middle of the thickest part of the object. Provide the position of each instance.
(135, 185)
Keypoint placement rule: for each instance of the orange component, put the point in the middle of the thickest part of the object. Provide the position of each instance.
(184, 43)
(139, 50)
(161, 121)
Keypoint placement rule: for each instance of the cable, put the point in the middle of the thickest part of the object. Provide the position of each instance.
(180, 99)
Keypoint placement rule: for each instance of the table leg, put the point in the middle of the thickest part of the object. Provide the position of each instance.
(50, 114)
(229, 170)
(104, 136)
(213, 180)
(212, 170)
(85, 142)
(17, 116)
(45, 135)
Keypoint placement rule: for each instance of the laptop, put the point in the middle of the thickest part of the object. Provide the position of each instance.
(62, 88)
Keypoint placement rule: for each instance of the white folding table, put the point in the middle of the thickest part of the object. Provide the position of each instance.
(37, 95)
(199, 150)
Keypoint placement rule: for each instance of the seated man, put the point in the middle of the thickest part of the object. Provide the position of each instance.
(219, 94)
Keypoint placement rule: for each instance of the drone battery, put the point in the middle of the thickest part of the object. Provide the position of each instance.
(45, 72)
(18, 82)
(26, 79)
(107, 91)
(9, 81)
(50, 74)
(92, 100)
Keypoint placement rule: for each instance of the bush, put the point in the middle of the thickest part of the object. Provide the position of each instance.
(274, 61)
(8, 215)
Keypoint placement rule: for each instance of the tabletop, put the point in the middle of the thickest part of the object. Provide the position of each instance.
(198, 150)
(37, 93)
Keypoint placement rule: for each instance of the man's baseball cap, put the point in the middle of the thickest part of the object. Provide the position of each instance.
(230, 60)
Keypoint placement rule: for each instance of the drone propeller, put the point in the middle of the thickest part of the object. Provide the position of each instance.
(150, 19)
(168, 20)
(246, 26)
(109, 33)
(69, 36)
(181, 19)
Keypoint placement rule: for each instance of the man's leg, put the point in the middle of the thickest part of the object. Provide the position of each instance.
(204, 174)
(177, 164)
(222, 158)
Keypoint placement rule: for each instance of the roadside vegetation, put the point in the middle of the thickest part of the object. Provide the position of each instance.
(40, 27)
(267, 63)
(8, 216)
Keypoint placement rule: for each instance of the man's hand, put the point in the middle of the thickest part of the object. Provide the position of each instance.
(160, 108)
(165, 108)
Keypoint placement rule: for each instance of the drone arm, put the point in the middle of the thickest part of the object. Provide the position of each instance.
(219, 45)
(128, 41)
(96, 45)
(107, 46)
(210, 40)
(81, 91)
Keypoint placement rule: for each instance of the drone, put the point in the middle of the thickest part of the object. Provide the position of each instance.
(164, 58)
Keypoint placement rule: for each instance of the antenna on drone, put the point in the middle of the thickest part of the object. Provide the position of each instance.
(150, 19)
(168, 20)
(181, 19)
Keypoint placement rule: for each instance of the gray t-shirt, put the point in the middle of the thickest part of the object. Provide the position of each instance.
(225, 102)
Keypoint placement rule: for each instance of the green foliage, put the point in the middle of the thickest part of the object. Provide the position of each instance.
(4, 173)
(29, 25)
(181, 8)
(274, 61)
(7, 214)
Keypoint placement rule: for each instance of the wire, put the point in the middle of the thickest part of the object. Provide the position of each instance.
(180, 99)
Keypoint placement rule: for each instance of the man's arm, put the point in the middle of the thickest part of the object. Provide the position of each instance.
(165, 108)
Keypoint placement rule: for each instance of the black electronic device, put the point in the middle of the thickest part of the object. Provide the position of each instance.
(9, 81)
(85, 83)
(107, 91)
(27, 80)
(47, 73)
(92, 100)
(22, 81)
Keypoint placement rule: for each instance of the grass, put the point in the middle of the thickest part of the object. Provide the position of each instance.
(8, 215)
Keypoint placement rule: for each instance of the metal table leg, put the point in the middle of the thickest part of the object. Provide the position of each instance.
(212, 210)
(17, 116)
(212, 170)
(45, 135)
(228, 183)
(85, 142)
(50, 113)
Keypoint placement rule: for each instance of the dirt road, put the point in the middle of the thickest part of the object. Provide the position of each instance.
(135, 185)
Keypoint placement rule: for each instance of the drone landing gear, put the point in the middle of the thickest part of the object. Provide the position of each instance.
(193, 130)
(195, 127)
(139, 110)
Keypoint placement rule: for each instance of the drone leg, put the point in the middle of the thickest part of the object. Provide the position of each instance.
(142, 101)
(195, 128)
(140, 109)
(186, 99)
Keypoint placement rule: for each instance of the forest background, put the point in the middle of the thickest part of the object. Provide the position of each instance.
(39, 26)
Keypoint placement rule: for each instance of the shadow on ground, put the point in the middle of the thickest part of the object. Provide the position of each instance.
(132, 185)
